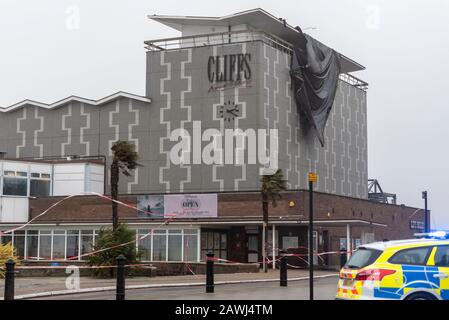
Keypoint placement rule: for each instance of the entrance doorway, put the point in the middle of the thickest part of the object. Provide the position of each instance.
(252, 247)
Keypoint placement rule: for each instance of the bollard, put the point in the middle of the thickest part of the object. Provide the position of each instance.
(210, 273)
(9, 280)
(120, 292)
(283, 268)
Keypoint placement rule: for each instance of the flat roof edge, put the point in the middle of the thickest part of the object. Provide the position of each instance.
(69, 99)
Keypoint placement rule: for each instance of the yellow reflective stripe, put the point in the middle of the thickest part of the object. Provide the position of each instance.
(431, 261)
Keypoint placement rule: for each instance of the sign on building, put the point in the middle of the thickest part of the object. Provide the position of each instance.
(416, 225)
(177, 206)
(190, 206)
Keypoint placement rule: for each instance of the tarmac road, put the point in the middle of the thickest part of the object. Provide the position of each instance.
(325, 289)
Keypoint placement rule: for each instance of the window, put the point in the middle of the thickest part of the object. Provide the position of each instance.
(190, 245)
(87, 241)
(144, 244)
(363, 257)
(72, 244)
(45, 245)
(58, 244)
(19, 243)
(214, 242)
(174, 245)
(32, 244)
(442, 256)
(15, 183)
(40, 184)
(415, 256)
(6, 238)
(159, 245)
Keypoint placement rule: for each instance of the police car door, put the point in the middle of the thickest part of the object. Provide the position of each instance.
(441, 260)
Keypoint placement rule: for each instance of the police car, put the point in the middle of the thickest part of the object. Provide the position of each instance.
(416, 269)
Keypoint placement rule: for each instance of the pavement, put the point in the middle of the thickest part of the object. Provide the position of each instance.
(324, 289)
(56, 286)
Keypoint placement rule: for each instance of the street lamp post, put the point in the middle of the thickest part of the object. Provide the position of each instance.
(312, 179)
(426, 213)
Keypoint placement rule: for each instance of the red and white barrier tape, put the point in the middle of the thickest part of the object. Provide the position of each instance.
(168, 220)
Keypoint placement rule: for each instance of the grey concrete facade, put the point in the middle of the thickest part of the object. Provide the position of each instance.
(179, 89)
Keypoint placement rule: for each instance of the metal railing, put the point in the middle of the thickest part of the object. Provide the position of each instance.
(222, 38)
(234, 37)
(354, 81)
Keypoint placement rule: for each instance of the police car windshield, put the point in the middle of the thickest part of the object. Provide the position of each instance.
(363, 257)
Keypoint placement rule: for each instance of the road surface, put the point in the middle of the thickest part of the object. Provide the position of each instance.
(325, 289)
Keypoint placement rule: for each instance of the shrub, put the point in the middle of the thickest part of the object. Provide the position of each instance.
(7, 252)
(108, 238)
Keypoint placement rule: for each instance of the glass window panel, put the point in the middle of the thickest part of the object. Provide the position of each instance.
(86, 244)
(210, 240)
(45, 176)
(19, 243)
(72, 244)
(9, 173)
(21, 174)
(216, 240)
(35, 175)
(203, 255)
(157, 231)
(145, 248)
(223, 254)
(6, 239)
(191, 231)
(190, 247)
(174, 248)
(14, 186)
(143, 232)
(175, 231)
(87, 232)
(203, 240)
(58, 246)
(415, 256)
(442, 256)
(39, 188)
(224, 241)
(45, 247)
(32, 240)
(59, 232)
(159, 247)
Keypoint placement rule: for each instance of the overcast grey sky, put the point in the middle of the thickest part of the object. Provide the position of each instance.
(92, 48)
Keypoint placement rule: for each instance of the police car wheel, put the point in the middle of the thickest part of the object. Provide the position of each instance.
(421, 296)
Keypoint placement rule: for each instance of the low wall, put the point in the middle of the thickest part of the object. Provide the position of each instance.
(33, 269)
(176, 268)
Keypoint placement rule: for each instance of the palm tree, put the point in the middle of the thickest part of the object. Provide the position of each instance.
(272, 186)
(124, 160)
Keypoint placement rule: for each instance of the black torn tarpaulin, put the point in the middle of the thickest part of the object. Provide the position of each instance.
(315, 70)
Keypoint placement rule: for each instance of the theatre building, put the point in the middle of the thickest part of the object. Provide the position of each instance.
(224, 104)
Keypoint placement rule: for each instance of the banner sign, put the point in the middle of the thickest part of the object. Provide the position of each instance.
(191, 205)
(177, 206)
(152, 206)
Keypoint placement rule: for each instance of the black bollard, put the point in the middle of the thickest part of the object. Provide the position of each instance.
(9, 280)
(210, 273)
(120, 292)
(283, 268)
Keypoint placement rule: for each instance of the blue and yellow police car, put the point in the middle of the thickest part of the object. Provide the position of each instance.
(416, 269)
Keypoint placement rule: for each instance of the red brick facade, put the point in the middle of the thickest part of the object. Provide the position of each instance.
(243, 207)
